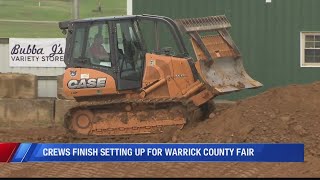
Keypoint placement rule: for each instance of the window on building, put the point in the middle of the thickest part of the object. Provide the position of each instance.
(310, 49)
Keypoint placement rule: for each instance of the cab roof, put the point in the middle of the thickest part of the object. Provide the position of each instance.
(105, 18)
(64, 24)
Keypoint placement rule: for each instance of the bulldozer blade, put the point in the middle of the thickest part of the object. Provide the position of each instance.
(226, 75)
(204, 23)
(224, 71)
(219, 60)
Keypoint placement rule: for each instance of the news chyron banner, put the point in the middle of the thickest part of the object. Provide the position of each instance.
(37, 52)
(37, 152)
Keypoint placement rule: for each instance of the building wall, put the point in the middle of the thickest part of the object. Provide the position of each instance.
(47, 80)
(267, 34)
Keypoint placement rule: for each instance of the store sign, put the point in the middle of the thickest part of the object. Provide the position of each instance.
(37, 52)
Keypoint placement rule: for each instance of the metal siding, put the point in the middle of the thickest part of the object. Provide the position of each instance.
(267, 34)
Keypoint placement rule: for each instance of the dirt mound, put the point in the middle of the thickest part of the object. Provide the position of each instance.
(287, 114)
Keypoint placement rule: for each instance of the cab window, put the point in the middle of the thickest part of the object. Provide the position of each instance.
(131, 51)
(98, 47)
(91, 45)
(78, 43)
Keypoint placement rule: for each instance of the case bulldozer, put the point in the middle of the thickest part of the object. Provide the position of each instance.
(134, 75)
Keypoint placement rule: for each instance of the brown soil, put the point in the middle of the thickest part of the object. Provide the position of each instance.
(288, 114)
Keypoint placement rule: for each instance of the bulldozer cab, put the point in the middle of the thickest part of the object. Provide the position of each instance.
(117, 45)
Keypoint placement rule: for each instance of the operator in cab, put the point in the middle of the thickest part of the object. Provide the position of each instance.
(97, 50)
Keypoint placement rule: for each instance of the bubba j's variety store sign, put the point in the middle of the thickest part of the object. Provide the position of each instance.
(37, 52)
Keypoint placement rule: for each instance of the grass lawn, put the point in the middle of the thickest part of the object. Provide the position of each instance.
(109, 8)
(49, 10)
(29, 30)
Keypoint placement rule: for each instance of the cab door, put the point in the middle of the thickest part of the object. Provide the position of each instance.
(90, 72)
(130, 55)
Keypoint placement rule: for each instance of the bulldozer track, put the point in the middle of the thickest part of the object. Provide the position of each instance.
(95, 101)
(141, 128)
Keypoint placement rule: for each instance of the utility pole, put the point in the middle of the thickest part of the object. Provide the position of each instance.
(99, 7)
(75, 9)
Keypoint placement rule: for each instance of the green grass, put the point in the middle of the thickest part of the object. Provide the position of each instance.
(109, 8)
(50, 10)
(29, 30)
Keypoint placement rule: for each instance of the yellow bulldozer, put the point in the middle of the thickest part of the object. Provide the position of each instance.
(134, 75)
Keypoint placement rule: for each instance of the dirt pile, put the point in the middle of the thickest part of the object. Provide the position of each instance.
(287, 114)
